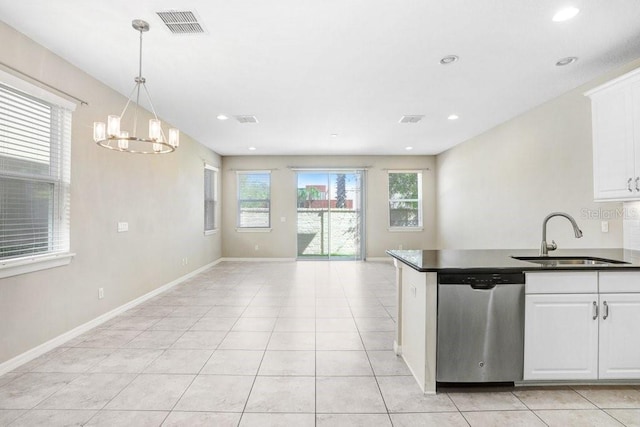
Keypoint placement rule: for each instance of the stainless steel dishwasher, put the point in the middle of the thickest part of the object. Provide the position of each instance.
(480, 327)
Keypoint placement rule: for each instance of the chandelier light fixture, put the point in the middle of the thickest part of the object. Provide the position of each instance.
(110, 134)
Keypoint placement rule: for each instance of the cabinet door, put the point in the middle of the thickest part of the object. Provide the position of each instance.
(619, 336)
(613, 145)
(561, 337)
(635, 133)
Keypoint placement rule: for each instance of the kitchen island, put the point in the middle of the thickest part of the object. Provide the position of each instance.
(417, 278)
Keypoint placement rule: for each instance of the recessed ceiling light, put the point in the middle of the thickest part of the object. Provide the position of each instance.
(565, 14)
(246, 119)
(252, 148)
(413, 118)
(453, 117)
(334, 135)
(408, 148)
(449, 59)
(566, 61)
(222, 117)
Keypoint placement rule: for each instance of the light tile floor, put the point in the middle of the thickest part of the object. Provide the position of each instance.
(273, 344)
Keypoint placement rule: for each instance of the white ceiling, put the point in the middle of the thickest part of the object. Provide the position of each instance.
(311, 68)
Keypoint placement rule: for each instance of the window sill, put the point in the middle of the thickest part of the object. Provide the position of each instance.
(210, 232)
(254, 230)
(404, 229)
(15, 267)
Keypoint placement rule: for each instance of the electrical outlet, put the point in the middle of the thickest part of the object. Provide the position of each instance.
(100, 293)
(257, 247)
(414, 291)
(604, 225)
(123, 227)
(283, 219)
(186, 261)
(399, 247)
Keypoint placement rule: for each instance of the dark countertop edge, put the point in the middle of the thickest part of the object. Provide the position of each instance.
(514, 269)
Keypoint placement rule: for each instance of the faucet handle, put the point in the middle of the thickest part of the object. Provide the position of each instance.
(552, 246)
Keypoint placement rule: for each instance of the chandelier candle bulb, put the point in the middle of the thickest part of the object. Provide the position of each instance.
(99, 131)
(174, 137)
(123, 143)
(155, 131)
(113, 126)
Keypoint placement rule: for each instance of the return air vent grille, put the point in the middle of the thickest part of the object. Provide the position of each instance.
(246, 119)
(181, 22)
(411, 119)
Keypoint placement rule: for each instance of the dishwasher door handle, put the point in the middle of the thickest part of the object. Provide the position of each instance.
(483, 287)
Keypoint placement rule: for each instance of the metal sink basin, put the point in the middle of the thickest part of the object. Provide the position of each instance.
(568, 260)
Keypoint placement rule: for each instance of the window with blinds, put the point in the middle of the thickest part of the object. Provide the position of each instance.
(210, 198)
(405, 199)
(254, 199)
(35, 139)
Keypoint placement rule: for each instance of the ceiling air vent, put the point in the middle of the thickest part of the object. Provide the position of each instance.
(246, 119)
(181, 22)
(411, 119)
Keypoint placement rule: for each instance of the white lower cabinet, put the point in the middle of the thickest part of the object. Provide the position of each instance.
(561, 337)
(582, 336)
(619, 348)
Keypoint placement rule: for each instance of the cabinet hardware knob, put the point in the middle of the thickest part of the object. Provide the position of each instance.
(606, 310)
(595, 310)
(629, 185)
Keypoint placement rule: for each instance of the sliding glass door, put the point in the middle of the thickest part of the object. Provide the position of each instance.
(330, 214)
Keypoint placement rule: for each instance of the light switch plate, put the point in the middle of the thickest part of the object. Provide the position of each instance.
(604, 225)
(123, 227)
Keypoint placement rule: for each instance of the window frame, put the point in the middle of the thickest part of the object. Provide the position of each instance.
(245, 228)
(213, 199)
(419, 200)
(59, 178)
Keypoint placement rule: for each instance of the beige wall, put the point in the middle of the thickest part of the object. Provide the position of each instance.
(495, 189)
(281, 241)
(160, 196)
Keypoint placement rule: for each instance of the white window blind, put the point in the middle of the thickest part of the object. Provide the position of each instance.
(405, 199)
(35, 139)
(210, 197)
(254, 199)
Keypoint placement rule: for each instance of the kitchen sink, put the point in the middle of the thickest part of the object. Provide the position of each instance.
(568, 260)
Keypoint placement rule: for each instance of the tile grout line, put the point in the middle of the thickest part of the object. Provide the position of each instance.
(264, 352)
(528, 408)
(375, 377)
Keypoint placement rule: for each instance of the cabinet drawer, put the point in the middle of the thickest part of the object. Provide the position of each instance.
(619, 281)
(566, 282)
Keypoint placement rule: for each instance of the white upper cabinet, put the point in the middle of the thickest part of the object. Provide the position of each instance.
(615, 110)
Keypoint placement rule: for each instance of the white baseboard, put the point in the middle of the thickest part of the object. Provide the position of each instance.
(258, 259)
(231, 259)
(380, 259)
(29, 355)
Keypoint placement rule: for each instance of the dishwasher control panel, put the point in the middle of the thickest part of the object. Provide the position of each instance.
(481, 279)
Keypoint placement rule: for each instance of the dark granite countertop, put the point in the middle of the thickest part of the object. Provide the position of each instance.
(480, 260)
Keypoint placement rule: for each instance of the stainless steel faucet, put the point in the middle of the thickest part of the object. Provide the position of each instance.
(544, 246)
